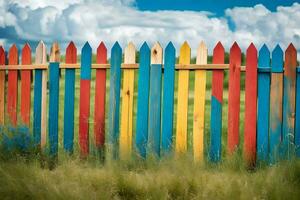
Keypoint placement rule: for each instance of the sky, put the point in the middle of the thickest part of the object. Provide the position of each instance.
(268, 21)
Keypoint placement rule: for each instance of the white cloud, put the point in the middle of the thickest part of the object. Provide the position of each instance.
(91, 20)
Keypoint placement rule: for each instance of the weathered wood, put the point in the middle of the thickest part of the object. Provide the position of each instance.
(114, 98)
(38, 135)
(182, 100)
(2, 87)
(263, 103)
(250, 105)
(143, 101)
(100, 92)
(26, 87)
(276, 104)
(53, 99)
(12, 86)
(234, 98)
(216, 105)
(297, 116)
(168, 98)
(71, 57)
(127, 104)
(84, 101)
(289, 88)
(154, 129)
(199, 104)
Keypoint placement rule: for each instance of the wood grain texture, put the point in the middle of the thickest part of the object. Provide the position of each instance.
(84, 101)
(71, 58)
(143, 101)
(182, 100)
(26, 87)
(234, 98)
(114, 98)
(276, 104)
(199, 104)
(168, 98)
(263, 103)
(250, 105)
(289, 88)
(154, 129)
(100, 92)
(127, 104)
(12, 86)
(216, 105)
(39, 133)
(2, 86)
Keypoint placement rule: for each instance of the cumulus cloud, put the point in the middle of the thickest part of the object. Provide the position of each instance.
(120, 20)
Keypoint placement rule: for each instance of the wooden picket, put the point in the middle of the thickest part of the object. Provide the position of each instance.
(272, 100)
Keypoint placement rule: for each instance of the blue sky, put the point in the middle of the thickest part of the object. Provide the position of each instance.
(260, 22)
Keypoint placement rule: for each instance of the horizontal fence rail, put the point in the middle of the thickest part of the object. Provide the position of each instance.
(271, 113)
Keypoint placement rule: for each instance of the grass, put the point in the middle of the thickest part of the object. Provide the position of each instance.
(22, 177)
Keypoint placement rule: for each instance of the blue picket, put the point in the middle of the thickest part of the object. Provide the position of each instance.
(143, 101)
(263, 103)
(37, 106)
(297, 117)
(155, 108)
(53, 107)
(114, 97)
(168, 98)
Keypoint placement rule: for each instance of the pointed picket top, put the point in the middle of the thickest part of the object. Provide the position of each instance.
(201, 53)
(264, 57)
(156, 54)
(13, 55)
(170, 47)
(71, 53)
(40, 53)
(86, 62)
(185, 53)
(55, 53)
(129, 53)
(116, 47)
(290, 61)
(2, 55)
(145, 47)
(219, 47)
(251, 50)
(101, 53)
(291, 48)
(277, 59)
(235, 47)
(26, 54)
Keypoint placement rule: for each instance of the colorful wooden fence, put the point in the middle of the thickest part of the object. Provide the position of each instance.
(272, 100)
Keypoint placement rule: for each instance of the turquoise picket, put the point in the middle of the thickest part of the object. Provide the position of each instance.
(168, 98)
(143, 101)
(263, 103)
(297, 117)
(276, 102)
(53, 107)
(155, 108)
(114, 97)
(37, 106)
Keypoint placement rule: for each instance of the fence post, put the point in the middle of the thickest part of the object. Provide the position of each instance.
(114, 98)
(154, 129)
(216, 105)
(289, 89)
(263, 103)
(199, 104)
(276, 104)
(71, 58)
(40, 58)
(297, 117)
(234, 98)
(54, 99)
(84, 101)
(2, 87)
(168, 98)
(143, 101)
(182, 100)
(250, 105)
(100, 92)
(12, 86)
(127, 104)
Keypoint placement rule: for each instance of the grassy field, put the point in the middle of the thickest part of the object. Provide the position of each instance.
(22, 177)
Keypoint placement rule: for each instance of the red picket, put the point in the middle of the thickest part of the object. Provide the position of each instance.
(250, 105)
(26, 86)
(12, 86)
(234, 98)
(2, 86)
(100, 91)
